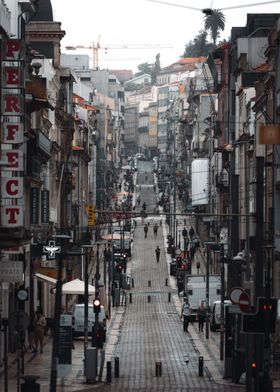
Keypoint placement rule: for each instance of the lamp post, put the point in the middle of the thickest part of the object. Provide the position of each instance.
(209, 246)
(97, 277)
(86, 257)
(222, 323)
(55, 251)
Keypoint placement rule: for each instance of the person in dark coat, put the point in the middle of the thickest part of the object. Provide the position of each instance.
(191, 232)
(146, 230)
(157, 250)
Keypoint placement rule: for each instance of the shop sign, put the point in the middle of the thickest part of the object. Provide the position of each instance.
(11, 187)
(12, 216)
(12, 104)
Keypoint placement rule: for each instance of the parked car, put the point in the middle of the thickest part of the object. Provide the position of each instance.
(215, 321)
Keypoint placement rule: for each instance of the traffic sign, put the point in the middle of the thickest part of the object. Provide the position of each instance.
(234, 294)
(244, 302)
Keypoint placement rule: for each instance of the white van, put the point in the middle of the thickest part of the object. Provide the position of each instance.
(215, 321)
(196, 290)
(78, 314)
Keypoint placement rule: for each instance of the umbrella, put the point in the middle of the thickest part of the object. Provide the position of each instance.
(115, 237)
(76, 287)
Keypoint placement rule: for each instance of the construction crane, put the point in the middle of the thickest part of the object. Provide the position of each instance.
(96, 46)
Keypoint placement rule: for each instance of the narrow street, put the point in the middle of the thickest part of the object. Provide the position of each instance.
(151, 329)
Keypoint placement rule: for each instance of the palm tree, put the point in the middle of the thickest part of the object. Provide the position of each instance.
(215, 22)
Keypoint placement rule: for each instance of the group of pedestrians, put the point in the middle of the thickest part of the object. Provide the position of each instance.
(186, 312)
(146, 229)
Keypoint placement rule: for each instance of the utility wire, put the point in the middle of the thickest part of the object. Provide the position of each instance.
(220, 9)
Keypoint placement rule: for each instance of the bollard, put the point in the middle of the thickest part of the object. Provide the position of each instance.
(158, 369)
(30, 384)
(130, 298)
(169, 297)
(166, 282)
(132, 283)
(109, 372)
(149, 298)
(117, 367)
(200, 366)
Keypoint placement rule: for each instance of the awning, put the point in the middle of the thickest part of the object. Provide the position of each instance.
(45, 278)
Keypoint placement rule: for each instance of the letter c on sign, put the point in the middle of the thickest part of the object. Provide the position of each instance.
(12, 187)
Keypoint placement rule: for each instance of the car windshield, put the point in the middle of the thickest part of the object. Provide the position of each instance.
(80, 314)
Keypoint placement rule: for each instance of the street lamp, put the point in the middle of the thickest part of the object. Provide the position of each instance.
(86, 256)
(54, 251)
(209, 246)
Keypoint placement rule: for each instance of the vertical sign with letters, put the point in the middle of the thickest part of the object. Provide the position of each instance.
(12, 100)
(34, 206)
(45, 215)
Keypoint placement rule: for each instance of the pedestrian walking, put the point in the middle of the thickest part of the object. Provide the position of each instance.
(155, 229)
(144, 206)
(146, 230)
(201, 316)
(39, 331)
(185, 314)
(157, 250)
(191, 232)
(198, 267)
(196, 243)
(192, 252)
(184, 232)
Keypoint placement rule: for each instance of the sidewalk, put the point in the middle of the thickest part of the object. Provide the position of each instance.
(207, 348)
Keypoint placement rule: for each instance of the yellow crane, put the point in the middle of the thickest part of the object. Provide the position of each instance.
(96, 46)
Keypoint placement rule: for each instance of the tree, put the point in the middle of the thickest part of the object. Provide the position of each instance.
(199, 46)
(156, 69)
(144, 68)
(215, 22)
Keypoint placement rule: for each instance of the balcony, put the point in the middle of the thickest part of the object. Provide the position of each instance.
(222, 180)
(43, 146)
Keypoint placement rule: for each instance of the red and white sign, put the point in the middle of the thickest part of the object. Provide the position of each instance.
(12, 216)
(12, 133)
(244, 302)
(12, 49)
(234, 294)
(12, 102)
(14, 159)
(11, 188)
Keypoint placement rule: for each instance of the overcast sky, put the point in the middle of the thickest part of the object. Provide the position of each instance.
(134, 22)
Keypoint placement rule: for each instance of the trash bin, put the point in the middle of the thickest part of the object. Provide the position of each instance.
(173, 268)
(91, 364)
